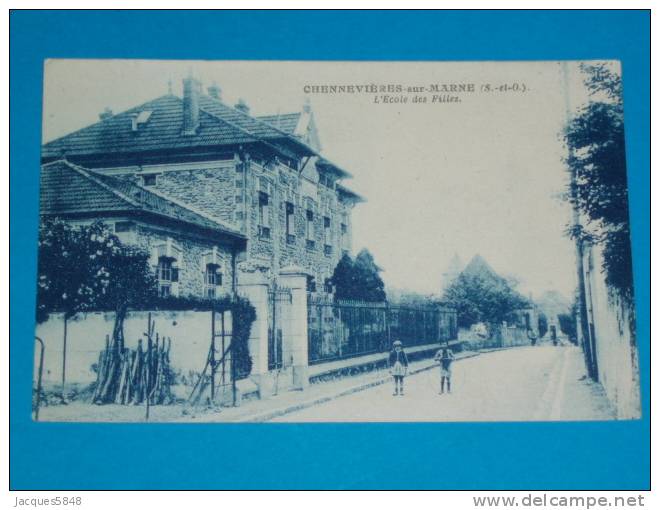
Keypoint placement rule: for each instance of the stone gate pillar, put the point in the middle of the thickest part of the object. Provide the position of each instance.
(254, 287)
(295, 278)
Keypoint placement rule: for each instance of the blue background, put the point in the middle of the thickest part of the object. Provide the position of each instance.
(184, 456)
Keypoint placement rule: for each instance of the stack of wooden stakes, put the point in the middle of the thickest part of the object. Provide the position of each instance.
(135, 376)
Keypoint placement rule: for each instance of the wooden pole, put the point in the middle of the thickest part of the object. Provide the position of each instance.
(64, 355)
(212, 354)
(41, 369)
(222, 325)
(233, 372)
(148, 367)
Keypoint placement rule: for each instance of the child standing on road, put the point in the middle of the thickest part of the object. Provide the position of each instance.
(398, 363)
(445, 357)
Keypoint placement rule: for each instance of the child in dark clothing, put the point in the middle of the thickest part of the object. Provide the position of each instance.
(445, 357)
(398, 363)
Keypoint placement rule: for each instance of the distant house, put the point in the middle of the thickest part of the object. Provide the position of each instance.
(262, 178)
(452, 271)
(191, 252)
(525, 318)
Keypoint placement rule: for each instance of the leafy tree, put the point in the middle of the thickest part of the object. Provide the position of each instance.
(483, 299)
(411, 298)
(88, 268)
(595, 138)
(77, 271)
(568, 322)
(543, 324)
(128, 282)
(343, 278)
(358, 279)
(68, 268)
(368, 277)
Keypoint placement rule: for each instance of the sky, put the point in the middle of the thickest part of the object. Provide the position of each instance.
(482, 175)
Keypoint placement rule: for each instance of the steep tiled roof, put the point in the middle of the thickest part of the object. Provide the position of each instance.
(219, 125)
(70, 189)
(163, 130)
(287, 122)
(350, 194)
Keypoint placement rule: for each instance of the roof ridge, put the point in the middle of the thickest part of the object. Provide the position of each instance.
(229, 123)
(254, 118)
(276, 115)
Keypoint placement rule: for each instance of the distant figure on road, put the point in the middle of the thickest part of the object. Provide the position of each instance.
(531, 334)
(553, 335)
(398, 363)
(445, 357)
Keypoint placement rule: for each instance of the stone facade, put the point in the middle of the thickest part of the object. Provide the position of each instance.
(292, 220)
(190, 253)
(256, 199)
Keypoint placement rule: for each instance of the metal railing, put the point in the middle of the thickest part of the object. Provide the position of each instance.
(345, 329)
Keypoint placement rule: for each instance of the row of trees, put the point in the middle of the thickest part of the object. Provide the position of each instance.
(597, 164)
(358, 279)
(478, 298)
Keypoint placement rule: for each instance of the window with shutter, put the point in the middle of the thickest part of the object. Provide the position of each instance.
(327, 236)
(166, 275)
(310, 230)
(264, 215)
(212, 280)
(290, 224)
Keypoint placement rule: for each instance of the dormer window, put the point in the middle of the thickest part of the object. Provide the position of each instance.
(326, 181)
(138, 119)
(149, 180)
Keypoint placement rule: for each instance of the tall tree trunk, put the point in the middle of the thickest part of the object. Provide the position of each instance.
(118, 328)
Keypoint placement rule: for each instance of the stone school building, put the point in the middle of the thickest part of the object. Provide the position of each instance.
(224, 202)
(257, 189)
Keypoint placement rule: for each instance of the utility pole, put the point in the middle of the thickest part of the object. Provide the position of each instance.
(581, 321)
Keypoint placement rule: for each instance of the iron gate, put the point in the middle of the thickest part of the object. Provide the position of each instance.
(278, 300)
(344, 329)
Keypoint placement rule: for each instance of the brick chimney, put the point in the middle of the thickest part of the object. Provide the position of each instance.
(105, 114)
(242, 106)
(191, 89)
(214, 91)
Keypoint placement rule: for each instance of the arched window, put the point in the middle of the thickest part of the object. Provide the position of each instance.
(212, 280)
(167, 275)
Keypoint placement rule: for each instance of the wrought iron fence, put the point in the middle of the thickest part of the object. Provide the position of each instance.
(344, 329)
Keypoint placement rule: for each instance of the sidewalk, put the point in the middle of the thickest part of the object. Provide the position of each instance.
(250, 411)
(315, 394)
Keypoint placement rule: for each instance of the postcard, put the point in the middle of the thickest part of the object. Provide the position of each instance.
(260, 241)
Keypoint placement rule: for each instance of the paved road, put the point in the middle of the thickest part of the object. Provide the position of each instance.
(521, 384)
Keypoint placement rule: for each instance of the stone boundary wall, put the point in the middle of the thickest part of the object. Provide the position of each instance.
(190, 332)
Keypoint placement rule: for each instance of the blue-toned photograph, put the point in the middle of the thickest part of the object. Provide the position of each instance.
(327, 249)
(372, 242)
